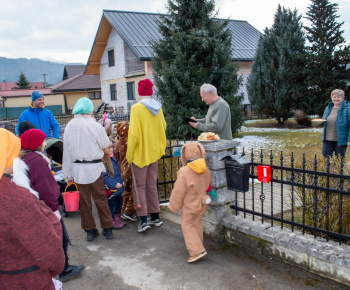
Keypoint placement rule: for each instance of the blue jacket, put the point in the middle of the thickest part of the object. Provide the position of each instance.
(111, 182)
(342, 123)
(42, 119)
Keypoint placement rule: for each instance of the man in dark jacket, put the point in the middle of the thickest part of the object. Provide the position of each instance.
(42, 118)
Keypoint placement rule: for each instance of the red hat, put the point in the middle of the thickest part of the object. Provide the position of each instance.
(145, 87)
(32, 139)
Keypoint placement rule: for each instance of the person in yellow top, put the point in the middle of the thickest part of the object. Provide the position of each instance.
(146, 145)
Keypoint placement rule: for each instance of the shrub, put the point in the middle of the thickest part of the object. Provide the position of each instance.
(302, 118)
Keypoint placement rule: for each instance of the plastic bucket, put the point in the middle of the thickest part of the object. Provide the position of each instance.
(71, 199)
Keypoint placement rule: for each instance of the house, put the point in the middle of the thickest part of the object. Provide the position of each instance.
(6, 86)
(14, 102)
(121, 53)
(76, 85)
(71, 70)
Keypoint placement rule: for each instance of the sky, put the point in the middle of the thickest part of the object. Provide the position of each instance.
(64, 30)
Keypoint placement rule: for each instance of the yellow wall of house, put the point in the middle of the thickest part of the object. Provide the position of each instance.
(244, 67)
(25, 101)
(73, 97)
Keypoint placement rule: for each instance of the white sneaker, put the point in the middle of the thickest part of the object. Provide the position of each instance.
(143, 227)
(157, 222)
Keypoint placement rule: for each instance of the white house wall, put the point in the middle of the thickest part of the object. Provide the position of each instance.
(244, 70)
(114, 74)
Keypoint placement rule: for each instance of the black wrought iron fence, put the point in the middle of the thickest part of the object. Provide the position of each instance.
(167, 169)
(310, 195)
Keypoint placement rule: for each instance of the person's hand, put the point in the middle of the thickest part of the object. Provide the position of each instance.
(118, 185)
(194, 125)
(348, 143)
(70, 182)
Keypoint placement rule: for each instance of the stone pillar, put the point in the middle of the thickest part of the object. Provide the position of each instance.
(218, 209)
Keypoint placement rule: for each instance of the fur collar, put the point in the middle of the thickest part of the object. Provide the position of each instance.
(20, 176)
(43, 155)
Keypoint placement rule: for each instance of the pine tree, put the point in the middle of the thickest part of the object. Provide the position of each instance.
(276, 79)
(327, 55)
(22, 82)
(195, 49)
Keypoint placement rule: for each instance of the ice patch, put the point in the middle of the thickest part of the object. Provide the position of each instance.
(93, 248)
(134, 271)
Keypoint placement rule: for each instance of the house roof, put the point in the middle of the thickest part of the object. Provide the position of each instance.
(137, 29)
(79, 82)
(24, 93)
(73, 70)
(5, 86)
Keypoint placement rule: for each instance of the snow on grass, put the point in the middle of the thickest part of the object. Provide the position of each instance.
(260, 130)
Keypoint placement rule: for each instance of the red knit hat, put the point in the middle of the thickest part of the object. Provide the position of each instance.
(145, 87)
(32, 139)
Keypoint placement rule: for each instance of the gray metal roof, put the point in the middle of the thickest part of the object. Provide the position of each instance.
(78, 82)
(137, 29)
(73, 70)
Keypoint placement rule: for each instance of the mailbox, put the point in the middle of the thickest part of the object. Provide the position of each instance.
(237, 172)
(264, 173)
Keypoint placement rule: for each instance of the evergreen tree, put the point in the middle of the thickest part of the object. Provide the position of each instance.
(195, 49)
(22, 82)
(327, 55)
(276, 79)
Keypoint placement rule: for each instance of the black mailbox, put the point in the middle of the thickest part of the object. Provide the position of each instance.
(237, 172)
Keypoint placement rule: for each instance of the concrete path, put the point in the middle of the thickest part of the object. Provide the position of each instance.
(157, 259)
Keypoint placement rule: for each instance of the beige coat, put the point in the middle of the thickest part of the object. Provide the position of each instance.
(189, 194)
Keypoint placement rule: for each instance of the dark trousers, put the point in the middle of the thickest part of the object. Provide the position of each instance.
(65, 242)
(115, 204)
(97, 191)
(328, 147)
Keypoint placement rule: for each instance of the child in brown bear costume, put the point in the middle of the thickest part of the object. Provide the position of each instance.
(189, 194)
(128, 210)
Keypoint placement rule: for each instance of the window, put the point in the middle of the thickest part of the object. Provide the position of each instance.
(111, 58)
(130, 89)
(94, 95)
(113, 89)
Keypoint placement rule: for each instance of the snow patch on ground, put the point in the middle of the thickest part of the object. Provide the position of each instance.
(135, 271)
(93, 248)
(259, 130)
(256, 142)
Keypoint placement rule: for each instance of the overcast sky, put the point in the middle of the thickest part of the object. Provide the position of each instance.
(64, 30)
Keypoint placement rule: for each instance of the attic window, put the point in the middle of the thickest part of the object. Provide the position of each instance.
(111, 58)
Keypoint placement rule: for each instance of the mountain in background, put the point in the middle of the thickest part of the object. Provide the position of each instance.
(34, 70)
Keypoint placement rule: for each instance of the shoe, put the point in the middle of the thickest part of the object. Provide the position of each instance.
(108, 234)
(70, 272)
(196, 258)
(91, 234)
(131, 217)
(118, 223)
(157, 222)
(143, 227)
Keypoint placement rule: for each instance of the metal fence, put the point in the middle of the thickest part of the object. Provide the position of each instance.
(167, 169)
(312, 196)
